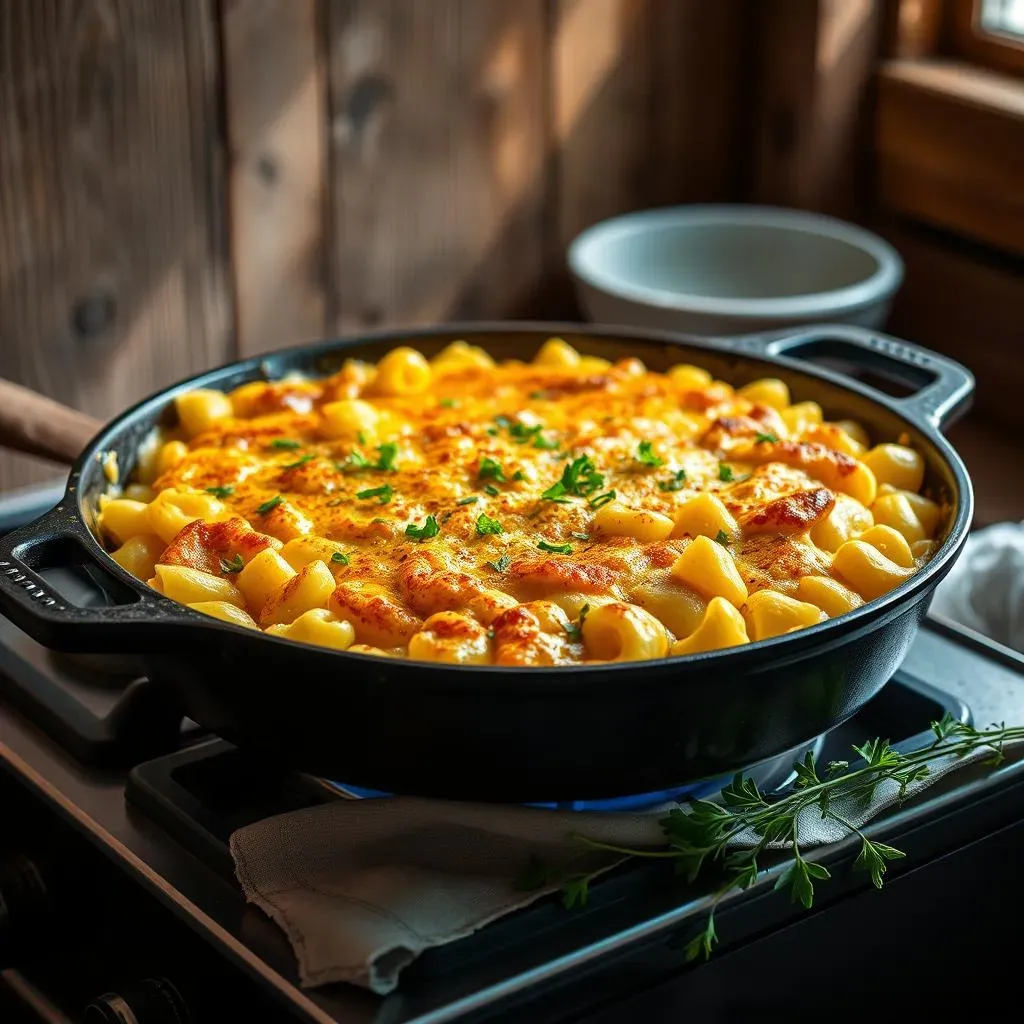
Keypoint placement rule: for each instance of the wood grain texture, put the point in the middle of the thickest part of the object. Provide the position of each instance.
(647, 105)
(968, 303)
(275, 112)
(950, 144)
(112, 235)
(437, 158)
(816, 63)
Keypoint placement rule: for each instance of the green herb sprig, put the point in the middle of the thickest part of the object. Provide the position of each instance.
(580, 477)
(705, 833)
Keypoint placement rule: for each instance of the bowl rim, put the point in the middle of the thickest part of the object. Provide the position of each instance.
(880, 285)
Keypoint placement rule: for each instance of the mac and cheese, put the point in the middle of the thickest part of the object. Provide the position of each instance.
(559, 511)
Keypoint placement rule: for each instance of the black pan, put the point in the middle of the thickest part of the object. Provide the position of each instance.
(514, 734)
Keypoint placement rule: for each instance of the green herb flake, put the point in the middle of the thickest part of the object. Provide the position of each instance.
(486, 525)
(558, 549)
(361, 436)
(356, 460)
(448, 403)
(283, 442)
(427, 530)
(229, 565)
(539, 395)
(676, 482)
(490, 470)
(220, 492)
(575, 629)
(269, 506)
(340, 558)
(299, 462)
(385, 493)
(579, 478)
(544, 444)
(722, 537)
(725, 473)
(492, 490)
(471, 500)
(765, 439)
(646, 456)
(501, 565)
(386, 457)
(518, 475)
(602, 499)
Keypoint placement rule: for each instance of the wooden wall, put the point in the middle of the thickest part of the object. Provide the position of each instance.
(183, 181)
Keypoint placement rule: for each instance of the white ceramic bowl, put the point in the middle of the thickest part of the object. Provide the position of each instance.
(717, 270)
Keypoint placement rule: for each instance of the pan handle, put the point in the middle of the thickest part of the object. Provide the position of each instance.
(137, 620)
(944, 386)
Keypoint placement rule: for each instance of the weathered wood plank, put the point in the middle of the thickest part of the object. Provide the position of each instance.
(646, 105)
(112, 233)
(437, 158)
(274, 101)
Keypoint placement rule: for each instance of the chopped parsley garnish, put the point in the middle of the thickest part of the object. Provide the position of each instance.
(355, 460)
(765, 439)
(361, 436)
(385, 492)
(558, 549)
(340, 558)
(725, 473)
(518, 475)
(501, 565)
(220, 492)
(493, 431)
(485, 525)
(580, 536)
(580, 477)
(492, 490)
(676, 482)
(234, 564)
(490, 470)
(269, 506)
(299, 462)
(575, 629)
(448, 403)
(538, 394)
(544, 444)
(722, 537)
(471, 500)
(283, 442)
(602, 499)
(645, 455)
(424, 532)
(503, 421)
(386, 457)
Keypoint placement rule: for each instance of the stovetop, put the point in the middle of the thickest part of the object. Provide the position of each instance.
(71, 730)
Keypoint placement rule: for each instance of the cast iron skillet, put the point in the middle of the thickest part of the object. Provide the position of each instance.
(512, 734)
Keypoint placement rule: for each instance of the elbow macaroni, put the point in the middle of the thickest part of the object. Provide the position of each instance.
(567, 509)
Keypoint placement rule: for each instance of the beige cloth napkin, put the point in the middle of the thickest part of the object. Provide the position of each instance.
(362, 887)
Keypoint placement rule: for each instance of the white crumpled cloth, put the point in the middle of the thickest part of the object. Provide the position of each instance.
(984, 590)
(362, 887)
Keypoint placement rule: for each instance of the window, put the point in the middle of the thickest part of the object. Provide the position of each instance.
(989, 32)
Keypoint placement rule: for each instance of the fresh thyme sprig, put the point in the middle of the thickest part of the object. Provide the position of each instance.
(746, 824)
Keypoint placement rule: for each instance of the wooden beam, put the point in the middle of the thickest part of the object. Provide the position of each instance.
(817, 62)
(276, 122)
(438, 172)
(112, 215)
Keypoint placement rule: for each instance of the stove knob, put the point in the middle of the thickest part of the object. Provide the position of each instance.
(150, 1001)
(25, 901)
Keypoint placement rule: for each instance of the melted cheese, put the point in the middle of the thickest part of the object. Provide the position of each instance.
(461, 508)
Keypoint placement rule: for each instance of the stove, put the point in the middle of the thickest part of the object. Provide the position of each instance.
(103, 773)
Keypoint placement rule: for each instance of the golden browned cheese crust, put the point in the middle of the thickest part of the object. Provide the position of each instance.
(517, 496)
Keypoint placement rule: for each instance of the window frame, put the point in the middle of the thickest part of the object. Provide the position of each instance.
(966, 40)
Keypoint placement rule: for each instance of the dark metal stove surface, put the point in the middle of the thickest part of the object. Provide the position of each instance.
(622, 959)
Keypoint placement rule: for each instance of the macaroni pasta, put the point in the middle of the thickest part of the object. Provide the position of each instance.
(560, 511)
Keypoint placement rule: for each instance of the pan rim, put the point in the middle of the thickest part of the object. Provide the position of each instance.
(778, 650)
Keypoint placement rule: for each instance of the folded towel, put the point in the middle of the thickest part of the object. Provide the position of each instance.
(362, 887)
